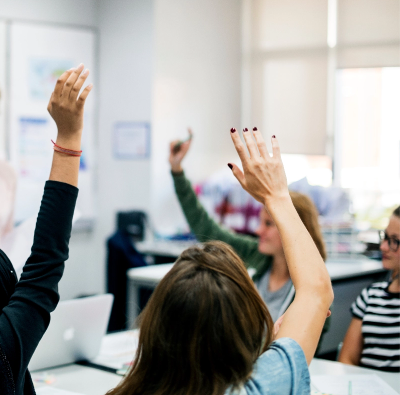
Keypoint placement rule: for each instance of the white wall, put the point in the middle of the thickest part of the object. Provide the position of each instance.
(124, 91)
(76, 12)
(196, 83)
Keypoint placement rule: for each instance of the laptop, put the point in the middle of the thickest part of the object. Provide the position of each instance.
(75, 332)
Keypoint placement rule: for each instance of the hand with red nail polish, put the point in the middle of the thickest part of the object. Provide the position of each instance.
(263, 176)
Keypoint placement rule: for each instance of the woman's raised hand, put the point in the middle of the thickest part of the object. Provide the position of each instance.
(263, 175)
(66, 108)
(177, 151)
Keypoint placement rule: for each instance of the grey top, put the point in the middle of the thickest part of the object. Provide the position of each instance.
(281, 370)
(274, 300)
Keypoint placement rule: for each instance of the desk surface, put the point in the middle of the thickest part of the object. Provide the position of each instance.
(79, 379)
(338, 270)
(321, 366)
(172, 248)
(89, 381)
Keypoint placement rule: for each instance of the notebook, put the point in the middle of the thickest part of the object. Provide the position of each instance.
(75, 332)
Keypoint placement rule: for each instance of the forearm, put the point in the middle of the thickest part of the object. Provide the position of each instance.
(352, 344)
(306, 266)
(65, 168)
(44, 267)
(347, 360)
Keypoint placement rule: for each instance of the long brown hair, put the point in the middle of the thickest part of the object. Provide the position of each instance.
(202, 329)
(308, 213)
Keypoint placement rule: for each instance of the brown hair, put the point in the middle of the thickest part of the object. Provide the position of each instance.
(308, 213)
(396, 212)
(202, 329)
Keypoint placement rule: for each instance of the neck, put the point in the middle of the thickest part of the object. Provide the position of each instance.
(395, 284)
(279, 267)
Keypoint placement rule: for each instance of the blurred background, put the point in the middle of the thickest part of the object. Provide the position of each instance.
(322, 75)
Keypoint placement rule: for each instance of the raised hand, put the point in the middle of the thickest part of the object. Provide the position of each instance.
(263, 176)
(66, 108)
(177, 151)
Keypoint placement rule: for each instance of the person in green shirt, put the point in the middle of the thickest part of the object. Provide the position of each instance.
(264, 257)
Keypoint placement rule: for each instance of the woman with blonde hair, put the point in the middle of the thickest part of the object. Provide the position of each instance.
(206, 330)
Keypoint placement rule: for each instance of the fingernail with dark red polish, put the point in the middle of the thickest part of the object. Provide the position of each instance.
(233, 130)
(245, 130)
(255, 128)
(230, 166)
(273, 136)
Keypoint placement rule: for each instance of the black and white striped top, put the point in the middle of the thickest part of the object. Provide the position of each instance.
(379, 311)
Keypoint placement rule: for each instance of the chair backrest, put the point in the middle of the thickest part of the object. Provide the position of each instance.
(132, 223)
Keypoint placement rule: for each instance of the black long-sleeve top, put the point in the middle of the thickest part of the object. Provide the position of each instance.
(27, 304)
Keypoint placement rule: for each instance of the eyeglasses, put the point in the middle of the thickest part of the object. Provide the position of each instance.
(392, 242)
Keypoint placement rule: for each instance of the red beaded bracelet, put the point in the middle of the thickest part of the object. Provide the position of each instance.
(66, 150)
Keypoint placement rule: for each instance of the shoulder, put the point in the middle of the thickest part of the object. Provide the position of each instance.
(378, 289)
(282, 369)
(374, 289)
(378, 285)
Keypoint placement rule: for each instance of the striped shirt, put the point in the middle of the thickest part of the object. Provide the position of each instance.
(379, 311)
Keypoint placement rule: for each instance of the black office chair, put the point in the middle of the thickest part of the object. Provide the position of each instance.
(122, 256)
(133, 223)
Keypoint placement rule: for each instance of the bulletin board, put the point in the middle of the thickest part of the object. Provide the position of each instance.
(38, 55)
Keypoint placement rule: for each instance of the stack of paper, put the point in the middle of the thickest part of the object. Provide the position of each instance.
(118, 350)
(354, 384)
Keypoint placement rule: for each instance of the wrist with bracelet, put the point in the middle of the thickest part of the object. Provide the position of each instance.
(66, 151)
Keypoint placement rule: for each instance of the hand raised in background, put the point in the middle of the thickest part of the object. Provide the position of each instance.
(263, 176)
(177, 151)
(66, 108)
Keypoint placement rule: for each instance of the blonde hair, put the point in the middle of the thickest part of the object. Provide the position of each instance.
(308, 213)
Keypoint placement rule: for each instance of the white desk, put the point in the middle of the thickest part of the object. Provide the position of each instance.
(80, 379)
(150, 276)
(172, 248)
(321, 366)
(89, 381)
(349, 277)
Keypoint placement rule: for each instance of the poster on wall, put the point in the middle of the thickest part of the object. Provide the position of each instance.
(34, 154)
(131, 140)
(43, 75)
(39, 54)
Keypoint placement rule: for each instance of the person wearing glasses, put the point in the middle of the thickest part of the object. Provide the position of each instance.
(373, 337)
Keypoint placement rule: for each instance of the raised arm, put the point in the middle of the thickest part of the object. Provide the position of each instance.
(264, 178)
(201, 224)
(25, 318)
